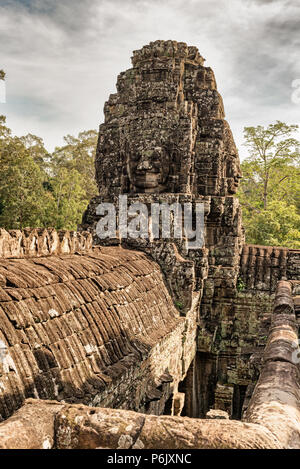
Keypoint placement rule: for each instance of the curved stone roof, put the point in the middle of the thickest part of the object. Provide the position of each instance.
(71, 325)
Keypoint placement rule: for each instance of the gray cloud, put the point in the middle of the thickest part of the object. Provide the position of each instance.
(62, 57)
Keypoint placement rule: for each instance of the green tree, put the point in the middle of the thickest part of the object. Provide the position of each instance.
(270, 188)
(5, 132)
(36, 150)
(67, 200)
(72, 179)
(270, 150)
(23, 199)
(38, 189)
(79, 153)
(22, 192)
(277, 226)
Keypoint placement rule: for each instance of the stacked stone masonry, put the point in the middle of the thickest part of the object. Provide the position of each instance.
(165, 132)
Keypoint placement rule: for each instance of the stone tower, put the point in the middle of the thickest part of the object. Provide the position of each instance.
(165, 140)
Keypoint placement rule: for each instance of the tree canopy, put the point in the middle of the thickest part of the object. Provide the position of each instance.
(38, 189)
(270, 187)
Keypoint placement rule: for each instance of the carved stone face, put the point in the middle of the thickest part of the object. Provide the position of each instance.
(148, 169)
(233, 173)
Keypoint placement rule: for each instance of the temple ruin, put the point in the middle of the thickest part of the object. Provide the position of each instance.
(100, 334)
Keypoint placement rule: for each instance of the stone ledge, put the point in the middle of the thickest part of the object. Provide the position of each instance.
(275, 400)
(82, 427)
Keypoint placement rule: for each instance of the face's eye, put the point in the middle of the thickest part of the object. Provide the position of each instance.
(156, 164)
(135, 157)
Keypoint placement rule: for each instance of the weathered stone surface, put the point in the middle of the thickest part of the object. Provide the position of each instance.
(293, 271)
(97, 328)
(165, 140)
(275, 400)
(31, 427)
(235, 324)
(165, 128)
(217, 414)
(263, 266)
(81, 427)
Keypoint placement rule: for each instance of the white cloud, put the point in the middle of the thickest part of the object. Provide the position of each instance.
(62, 57)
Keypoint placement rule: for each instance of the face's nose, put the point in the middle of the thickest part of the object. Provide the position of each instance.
(144, 164)
(239, 172)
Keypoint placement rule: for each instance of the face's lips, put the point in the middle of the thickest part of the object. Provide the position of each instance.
(147, 180)
(146, 185)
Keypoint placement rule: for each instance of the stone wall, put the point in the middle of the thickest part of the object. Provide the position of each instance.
(164, 129)
(262, 267)
(234, 326)
(275, 400)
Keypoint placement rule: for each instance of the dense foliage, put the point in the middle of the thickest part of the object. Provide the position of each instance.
(270, 188)
(42, 189)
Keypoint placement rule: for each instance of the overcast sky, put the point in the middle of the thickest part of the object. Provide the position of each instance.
(62, 57)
